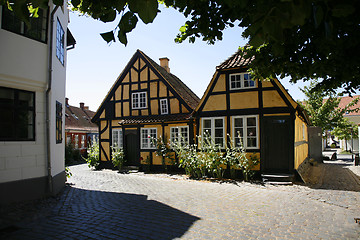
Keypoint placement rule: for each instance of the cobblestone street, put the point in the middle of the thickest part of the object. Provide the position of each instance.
(109, 205)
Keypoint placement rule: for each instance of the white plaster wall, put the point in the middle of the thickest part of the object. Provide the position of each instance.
(58, 94)
(23, 65)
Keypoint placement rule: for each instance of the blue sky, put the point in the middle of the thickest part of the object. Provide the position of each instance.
(93, 66)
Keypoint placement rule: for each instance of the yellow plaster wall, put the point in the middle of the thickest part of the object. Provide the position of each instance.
(153, 89)
(126, 92)
(220, 85)
(126, 78)
(157, 160)
(142, 63)
(301, 151)
(144, 75)
(102, 115)
(288, 97)
(273, 99)
(126, 110)
(143, 86)
(248, 156)
(105, 134)
(118, 93)
(134, 75)
(184, 109)
(215, 103)
(144, 155)
(153, 75)
(134, 86)
(118, 109)
(154, 107)
(162, 90)
(174, 106)
(144, 112)
(242, 100)
(266, 83)
(106, 147)
(134, 112)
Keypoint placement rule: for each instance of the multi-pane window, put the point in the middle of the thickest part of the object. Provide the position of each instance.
(76, 141)
(117, 138)
(60, 35)
(148, 138)
(240, 81)
(139, 100)
(83, 137)
(245, 129)
(179, 135)
(17, 115)
(37, 29)
(213, 131)
(164, 106)
(59, 122)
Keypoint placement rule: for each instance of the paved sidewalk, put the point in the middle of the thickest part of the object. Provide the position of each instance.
(109, 205)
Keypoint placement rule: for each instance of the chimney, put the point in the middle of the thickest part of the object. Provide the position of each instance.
(164, 62)
(66, 102)
(82, 105)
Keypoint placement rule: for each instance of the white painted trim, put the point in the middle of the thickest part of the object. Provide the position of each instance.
(242, 80)
(213, 129)
(244, 117)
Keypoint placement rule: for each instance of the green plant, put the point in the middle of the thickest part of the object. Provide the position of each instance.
(117, 157)
(164, 151)
(93, 158)
(68, 172)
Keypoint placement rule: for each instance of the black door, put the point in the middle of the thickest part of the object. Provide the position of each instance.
(132, 149)
(277, 144)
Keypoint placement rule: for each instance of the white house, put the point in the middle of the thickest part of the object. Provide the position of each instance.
(32, 94)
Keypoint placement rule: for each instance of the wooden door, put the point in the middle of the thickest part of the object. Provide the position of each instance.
(132, 149)
(277, 144)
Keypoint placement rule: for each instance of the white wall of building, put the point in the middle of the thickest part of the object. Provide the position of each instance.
(24, 66)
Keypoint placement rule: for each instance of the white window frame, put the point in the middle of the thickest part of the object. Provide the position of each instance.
(244, 118)
(60, 42)
(242, 81)
(138, 96)
(145, 134)
(164, 109)
(212, 119)
(179, 137)
(117, 142)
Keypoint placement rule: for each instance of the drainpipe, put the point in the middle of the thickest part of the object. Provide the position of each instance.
(47, 101)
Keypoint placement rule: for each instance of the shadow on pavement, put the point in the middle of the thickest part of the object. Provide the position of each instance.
(92, 214)
(335, 175)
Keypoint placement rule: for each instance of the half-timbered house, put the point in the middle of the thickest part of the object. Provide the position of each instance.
(145, 102)
(261, 114)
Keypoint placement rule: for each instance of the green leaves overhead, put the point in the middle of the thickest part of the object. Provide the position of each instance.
(127, 24)
(108, 36)
(146, 9)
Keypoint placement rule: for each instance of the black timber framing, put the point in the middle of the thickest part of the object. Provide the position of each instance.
(138, 55)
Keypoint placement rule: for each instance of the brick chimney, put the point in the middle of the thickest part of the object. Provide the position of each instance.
(82, 105)
(164, 62)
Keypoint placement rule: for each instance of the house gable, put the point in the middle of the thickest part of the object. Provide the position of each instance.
(143, 75)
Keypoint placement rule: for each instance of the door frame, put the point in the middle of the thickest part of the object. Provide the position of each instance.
(137, 133)
(263, 144)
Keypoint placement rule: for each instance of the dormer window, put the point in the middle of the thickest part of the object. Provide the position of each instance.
(241, 81)
(139, 100)
(164, 106)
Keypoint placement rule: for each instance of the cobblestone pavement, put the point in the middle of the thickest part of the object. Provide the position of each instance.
(109, 205)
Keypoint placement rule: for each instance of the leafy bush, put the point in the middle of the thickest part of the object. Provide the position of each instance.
(93, 158)
(164, 151)
(117, 157)
(211, 161)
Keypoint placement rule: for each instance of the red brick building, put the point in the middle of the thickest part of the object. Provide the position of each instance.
(79, 129)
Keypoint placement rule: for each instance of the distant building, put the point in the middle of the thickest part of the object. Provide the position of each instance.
(353, 117)
(32, 91)
(79, 130)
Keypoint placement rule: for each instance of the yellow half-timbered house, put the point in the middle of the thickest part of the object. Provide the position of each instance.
(145, 102)
(261, 114)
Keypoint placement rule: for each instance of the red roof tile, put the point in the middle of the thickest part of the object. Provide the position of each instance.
(79, 119)
(236, 60)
